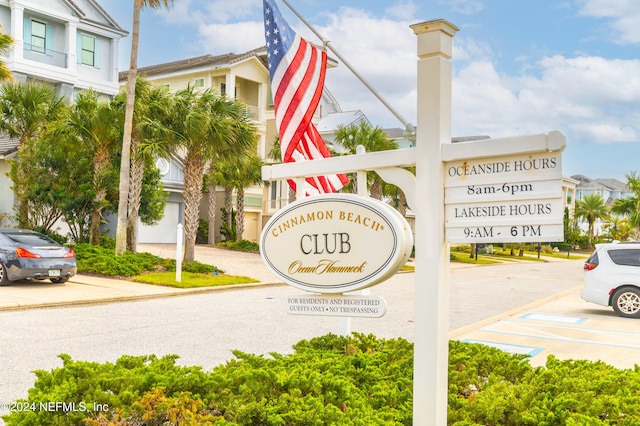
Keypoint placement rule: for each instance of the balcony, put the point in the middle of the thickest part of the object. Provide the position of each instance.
(48, 56)
(253, 112)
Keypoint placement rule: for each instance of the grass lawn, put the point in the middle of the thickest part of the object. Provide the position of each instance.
(191, 279)
(462, 257)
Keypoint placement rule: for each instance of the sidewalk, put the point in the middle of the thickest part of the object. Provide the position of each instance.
(91, 289)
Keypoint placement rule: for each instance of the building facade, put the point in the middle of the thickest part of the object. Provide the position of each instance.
(72, 45)
(244, 77)
(609, 190)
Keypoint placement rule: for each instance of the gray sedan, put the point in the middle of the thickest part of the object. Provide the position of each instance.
(29, 255)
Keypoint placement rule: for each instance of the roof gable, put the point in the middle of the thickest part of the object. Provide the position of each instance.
(91, 12)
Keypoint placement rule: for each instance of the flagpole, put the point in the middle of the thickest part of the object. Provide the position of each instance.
(408, 127)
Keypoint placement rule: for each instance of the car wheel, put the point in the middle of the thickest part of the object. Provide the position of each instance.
(4, 280)
(626, 302)
(60, 280)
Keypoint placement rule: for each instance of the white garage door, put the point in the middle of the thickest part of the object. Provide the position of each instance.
(165, 230)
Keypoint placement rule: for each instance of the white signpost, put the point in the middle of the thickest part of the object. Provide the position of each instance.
(483, 191)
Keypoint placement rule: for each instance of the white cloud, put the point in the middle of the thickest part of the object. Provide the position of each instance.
(466, 7)
(225, 10)
(385, 58)
(624, 16)
(182, 12)
(240, 37)
(404, 11)
(587, 98)
(207, 12)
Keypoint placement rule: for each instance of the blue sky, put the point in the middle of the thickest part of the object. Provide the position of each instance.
(520, 67)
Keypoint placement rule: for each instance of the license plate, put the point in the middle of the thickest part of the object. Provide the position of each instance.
(54, 272)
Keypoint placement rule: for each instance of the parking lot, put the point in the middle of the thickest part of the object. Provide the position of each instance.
(566, 327)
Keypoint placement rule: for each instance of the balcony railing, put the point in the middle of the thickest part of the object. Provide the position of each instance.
(253, 112)
(45, 56)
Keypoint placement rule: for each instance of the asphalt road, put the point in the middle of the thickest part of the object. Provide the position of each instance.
(203, 329)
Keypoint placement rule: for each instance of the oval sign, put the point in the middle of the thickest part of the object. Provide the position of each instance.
(335, 243)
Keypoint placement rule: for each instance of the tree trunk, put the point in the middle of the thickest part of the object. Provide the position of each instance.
(123, 196)
(135, 192)
(211, 216)
(193, 172)
(96, 217)
(402, 203)
(376, 188)
(228, 205)
(239, 213)
(100, 165)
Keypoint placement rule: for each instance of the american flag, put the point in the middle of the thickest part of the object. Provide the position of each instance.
(297, 70)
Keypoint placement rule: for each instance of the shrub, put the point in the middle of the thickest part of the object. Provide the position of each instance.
(202, 234)
(101, 260)
(240, 245)
(356, 380)
(195, 267)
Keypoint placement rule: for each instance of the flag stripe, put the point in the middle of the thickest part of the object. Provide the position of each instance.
(297, 70)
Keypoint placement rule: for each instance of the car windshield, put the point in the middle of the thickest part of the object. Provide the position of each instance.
(29, 239)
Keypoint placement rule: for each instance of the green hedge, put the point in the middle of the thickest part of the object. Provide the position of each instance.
(359, 380)
(102, 260)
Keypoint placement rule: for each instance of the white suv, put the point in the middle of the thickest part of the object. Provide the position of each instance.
(612, 278)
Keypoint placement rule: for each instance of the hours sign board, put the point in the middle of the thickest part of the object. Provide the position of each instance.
(513, 198)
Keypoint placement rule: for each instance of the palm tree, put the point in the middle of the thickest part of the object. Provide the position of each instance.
(373, 139)
(275, 153)
(225, 175)
(92, 122)
(207, 127)
(591, 208)
(245, 171)
(630, 206)
(212, 180)
(123, 197)
(618, 228)
(25, 111)
(151, 108)
(6, 42)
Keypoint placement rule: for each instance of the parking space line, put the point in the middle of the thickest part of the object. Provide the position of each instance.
(558, 338)
(513, 349)
(553, 318)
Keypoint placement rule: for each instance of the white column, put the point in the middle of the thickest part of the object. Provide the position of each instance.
(432, 252)
(72, 46)
(17, 31)
(231, 86)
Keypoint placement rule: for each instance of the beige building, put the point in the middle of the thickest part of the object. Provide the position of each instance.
(241, 76)
(244, 77)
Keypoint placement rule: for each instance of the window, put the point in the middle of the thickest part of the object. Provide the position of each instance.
(38, 36)
(625, 257)
(88, 50)
(198, 83)
(223, 89)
